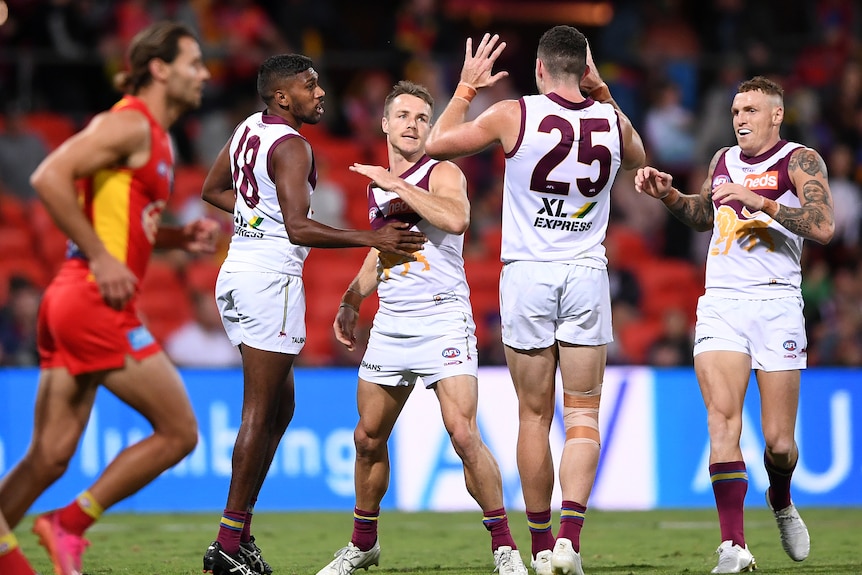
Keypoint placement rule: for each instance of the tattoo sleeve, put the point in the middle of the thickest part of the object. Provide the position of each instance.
(815, 218)
(695, 211)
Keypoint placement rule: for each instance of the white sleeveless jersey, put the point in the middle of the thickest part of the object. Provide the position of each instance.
(435, 282)
(260, 240)
(556, 191)
(751, 256)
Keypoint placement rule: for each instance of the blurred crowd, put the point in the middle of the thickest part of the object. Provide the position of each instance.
(673, 66)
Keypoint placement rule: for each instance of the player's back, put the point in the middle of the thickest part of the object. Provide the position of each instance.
(260, 241)
(556, 191)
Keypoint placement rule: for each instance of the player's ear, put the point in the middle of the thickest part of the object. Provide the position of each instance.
(777, 115)
(384, 125)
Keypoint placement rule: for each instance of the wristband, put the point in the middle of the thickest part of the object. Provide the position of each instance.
(351, 298)
(671, 196)
(770, 207)
(349, 306)
(465, 91)
(601, 93)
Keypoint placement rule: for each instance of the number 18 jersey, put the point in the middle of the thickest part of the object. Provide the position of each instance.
(556, 190)
(260, 240)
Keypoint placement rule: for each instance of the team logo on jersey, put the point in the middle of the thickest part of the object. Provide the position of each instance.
(451, 352)
(789, 345)
(745, 233)
(764, 181)
(718, 180)
(151, 219)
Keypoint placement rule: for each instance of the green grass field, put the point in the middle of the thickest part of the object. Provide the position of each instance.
(613, 543)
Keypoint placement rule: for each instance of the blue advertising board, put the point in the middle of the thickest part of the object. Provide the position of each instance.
(653, 426)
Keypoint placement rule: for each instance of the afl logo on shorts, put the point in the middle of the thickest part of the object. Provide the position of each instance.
(789, 345)
(718, 180)
(451, 352)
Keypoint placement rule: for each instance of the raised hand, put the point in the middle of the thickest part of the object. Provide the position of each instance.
(477, 68)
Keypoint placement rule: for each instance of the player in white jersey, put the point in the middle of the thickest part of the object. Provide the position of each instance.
(761, 199)
(563, 151)
(265, 175)
(423, 329)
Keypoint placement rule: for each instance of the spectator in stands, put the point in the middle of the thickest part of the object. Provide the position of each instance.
(202, 341)
(674, 346)
(847, 196)
(20, 152)
(18, 324)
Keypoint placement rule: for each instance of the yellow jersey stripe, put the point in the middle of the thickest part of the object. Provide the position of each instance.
(111, 200)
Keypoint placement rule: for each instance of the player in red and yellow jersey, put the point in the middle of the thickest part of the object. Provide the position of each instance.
(106, 188)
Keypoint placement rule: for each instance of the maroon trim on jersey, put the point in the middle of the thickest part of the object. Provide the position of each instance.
(785, 184)
(378, 219)
(620, 134)
(760, 157)
(557, 99)
(273, 119)
(521, 130)
(422, 161)
(271, 150)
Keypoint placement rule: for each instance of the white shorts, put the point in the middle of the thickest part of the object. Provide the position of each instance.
(263, 310)
(402, 349)
(771, 331)
(544, 302)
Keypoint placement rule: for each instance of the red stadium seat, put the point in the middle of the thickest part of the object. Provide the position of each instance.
(54, 129)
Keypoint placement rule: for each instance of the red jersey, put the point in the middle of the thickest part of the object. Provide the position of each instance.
(125, 204)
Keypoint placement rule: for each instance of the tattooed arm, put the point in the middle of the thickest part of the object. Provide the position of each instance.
(693, 210)
(814, 220)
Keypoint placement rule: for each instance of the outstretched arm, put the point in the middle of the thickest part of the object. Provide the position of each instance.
(693, 210)
(291, 162)
(450, 136)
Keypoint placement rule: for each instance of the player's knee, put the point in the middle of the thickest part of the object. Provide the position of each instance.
(780, 446)
(49, 462)
(465, 439)
(581, 416)
(367, 445)
(723, 428)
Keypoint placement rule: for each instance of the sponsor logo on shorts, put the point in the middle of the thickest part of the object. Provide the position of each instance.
(451, 352)
(139, 338)
(298, 339)
(790, 356)
(370, 366)
(789, 345)
(456, 362)
(702, 339)
(443, 297)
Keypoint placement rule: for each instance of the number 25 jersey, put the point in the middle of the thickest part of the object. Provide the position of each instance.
(556, 190)
(260, 241)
